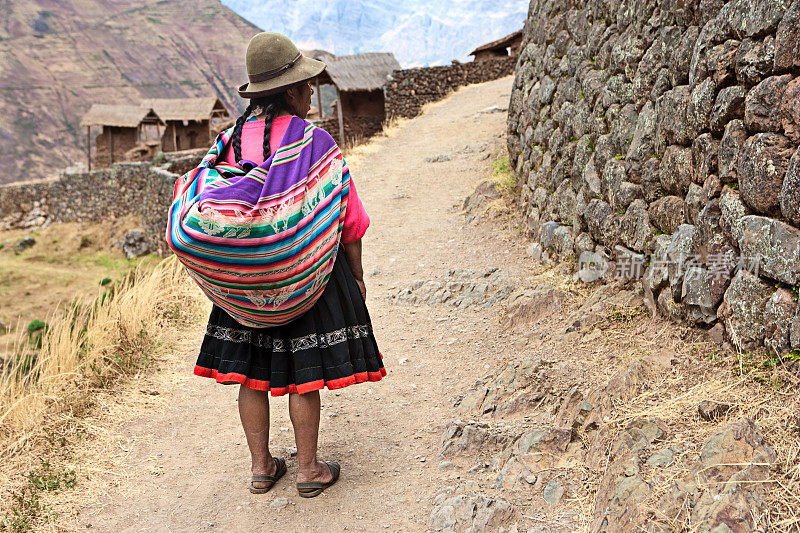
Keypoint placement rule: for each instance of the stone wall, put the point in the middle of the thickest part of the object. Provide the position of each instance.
(143, 189)
(408, 90)
(356, 128)
(658, 141)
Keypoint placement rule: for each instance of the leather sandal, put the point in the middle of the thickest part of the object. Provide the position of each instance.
(309, 489)
(280, 470)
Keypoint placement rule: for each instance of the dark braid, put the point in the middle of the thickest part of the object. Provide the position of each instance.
(237, 133)
(272, 109)
(272, 104)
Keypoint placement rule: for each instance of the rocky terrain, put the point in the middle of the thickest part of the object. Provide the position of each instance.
(658, 141)
(519, 398)
(57, 58)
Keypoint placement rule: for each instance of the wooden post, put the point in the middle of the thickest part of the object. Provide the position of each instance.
(319, 98)
(89, 147)
(210, 138)
(174, 137)
(341, 118)
(110, 147)
(160, 140)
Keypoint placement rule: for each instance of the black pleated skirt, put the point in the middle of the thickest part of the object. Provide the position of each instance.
(331, 345)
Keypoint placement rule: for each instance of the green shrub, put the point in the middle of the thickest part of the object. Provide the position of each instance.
(36, 325)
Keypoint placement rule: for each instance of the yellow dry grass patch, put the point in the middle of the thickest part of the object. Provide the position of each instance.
(67, 263)
(45, 394)
(356, 150)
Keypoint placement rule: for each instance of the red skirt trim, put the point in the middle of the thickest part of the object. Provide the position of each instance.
(257, 384)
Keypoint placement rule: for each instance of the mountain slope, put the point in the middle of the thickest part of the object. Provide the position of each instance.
(417, 32)
(57, 58)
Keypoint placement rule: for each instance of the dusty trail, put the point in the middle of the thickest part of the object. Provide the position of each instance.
(185, 460)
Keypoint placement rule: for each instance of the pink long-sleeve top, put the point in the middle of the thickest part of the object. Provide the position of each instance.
(356, 220)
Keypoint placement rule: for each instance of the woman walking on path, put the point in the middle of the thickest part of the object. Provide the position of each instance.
(331, 343)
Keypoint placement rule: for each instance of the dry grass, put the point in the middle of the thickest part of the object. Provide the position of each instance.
(67, 263)
(766, 393)
(759, 386)
(357, 149)
(87, 349)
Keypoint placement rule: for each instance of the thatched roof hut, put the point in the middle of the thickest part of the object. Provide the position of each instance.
(119, 116)
(502, 47)
(124, 127)
(189, 120)
(359, 80)
(361, 72)
(197, 109)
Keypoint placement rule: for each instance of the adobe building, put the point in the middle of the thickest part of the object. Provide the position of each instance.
(124, 128)
(503, 47)
(189, 122)
(359, 81)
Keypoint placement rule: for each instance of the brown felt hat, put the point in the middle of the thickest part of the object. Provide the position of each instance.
(274, 63)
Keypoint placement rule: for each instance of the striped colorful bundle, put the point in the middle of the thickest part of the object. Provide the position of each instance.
(261, 244)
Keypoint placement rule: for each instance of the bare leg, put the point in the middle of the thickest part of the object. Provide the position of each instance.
(304, 412)
(254, 412)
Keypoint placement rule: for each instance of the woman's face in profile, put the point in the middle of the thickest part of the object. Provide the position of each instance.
(300, 98)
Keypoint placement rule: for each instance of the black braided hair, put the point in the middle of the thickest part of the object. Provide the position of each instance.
(272, 104)
(236, 139)
(272, 109)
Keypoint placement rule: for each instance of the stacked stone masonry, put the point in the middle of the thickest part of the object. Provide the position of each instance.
(408, 90)
(356, 128)
(663, 137)
(143, 189)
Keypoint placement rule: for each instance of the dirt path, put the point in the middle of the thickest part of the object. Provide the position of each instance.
(184, 464)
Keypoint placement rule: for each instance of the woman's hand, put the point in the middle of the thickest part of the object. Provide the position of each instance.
(352, 250)
(362, 288)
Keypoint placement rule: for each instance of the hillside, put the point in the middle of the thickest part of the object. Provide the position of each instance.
(57, 58)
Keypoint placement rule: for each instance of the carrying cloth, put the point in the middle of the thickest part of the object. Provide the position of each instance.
(261, 242)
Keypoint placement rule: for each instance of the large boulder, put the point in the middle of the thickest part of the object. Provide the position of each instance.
(728, 106)
(672, 126)
(695, 201)
(135, 243)
(677, 170)
(705, 154)
(761, 168)
(603, 224)
(744, 309)
(651, 180)
(590, 178)
(779, 315)
(732, 210)
(774, 245)
(641, 146)
(755, 18)
(681, 59)
(701, 103)
(679, 254)
(787, 40)
(656, 276)
(667, 213)
(790, 191)
(790, 110)
(614, 174)
(762, 108)
(635, 228)
(754, 60)
(729, 148)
